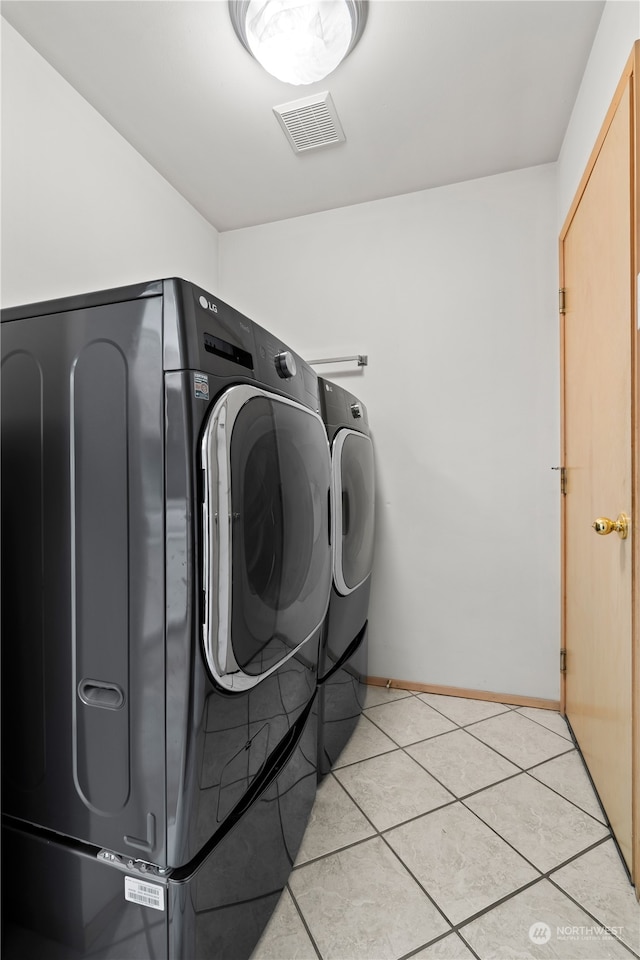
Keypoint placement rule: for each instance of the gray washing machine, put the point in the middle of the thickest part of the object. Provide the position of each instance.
(343, 664)
(166, 570)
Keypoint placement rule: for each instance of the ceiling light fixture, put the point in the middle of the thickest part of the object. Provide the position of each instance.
(298, 41)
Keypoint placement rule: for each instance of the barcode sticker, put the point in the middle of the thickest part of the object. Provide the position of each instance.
(145, 894)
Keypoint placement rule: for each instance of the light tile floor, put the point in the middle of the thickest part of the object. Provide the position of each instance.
(451, 829)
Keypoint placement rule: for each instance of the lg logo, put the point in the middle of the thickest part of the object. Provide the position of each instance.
(207, 305)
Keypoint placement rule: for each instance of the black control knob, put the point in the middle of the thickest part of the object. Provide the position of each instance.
(285, 364)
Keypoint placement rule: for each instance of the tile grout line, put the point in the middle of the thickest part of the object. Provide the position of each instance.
(498, 713)
(304, 922)
(382, 833)
(543, 873)
(520, 768)
(348, 846)
(570, 748)
(544, 725)
(465, 728)
(457, 928)
(355, 803)
(382, 836)
(560, 753)
(541, 763)
(573, 747)
(379, 835)
(378, 727)
(582, 906)
(432, 943)
(508, 709)
(605, 823)
(597, 795)
(415, 879)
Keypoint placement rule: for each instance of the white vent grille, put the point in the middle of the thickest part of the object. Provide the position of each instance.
(310, 123)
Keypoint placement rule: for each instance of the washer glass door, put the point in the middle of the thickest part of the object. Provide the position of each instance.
(353, 511)
(267, 560)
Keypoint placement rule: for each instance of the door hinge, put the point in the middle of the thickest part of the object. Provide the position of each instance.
(563, 660)
(563, 479)
(562, 296)
(130, 865)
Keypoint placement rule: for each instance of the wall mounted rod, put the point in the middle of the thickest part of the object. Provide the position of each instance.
(361, 358)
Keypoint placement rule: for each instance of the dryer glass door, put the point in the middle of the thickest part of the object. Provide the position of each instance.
(353, 512)
(267, 560)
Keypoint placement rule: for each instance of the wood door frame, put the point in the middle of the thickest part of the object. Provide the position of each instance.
(629, 79)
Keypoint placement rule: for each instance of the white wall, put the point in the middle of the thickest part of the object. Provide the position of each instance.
(81, 209)
(619, 29)
(452, 293)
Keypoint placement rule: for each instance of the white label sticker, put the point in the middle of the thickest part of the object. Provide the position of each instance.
(145, 894)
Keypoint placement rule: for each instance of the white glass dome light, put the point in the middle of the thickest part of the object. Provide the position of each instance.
(299, 41)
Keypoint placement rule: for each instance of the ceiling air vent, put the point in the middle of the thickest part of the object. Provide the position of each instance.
(310, 122)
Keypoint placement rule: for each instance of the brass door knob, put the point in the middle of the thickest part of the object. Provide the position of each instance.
(603, 526)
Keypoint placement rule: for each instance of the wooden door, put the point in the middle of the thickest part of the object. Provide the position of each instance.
(598, 331)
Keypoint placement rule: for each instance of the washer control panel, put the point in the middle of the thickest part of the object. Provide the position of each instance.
(285, 364)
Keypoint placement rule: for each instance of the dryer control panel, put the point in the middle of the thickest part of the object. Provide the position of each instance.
(202, 332)
(285, 364)
(340, 408)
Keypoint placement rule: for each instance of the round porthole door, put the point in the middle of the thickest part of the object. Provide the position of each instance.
(353, 509)
(266, 553)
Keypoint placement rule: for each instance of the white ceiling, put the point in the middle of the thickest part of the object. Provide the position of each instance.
(438, 91)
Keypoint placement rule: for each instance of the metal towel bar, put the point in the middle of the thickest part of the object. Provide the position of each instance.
(361, 358)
